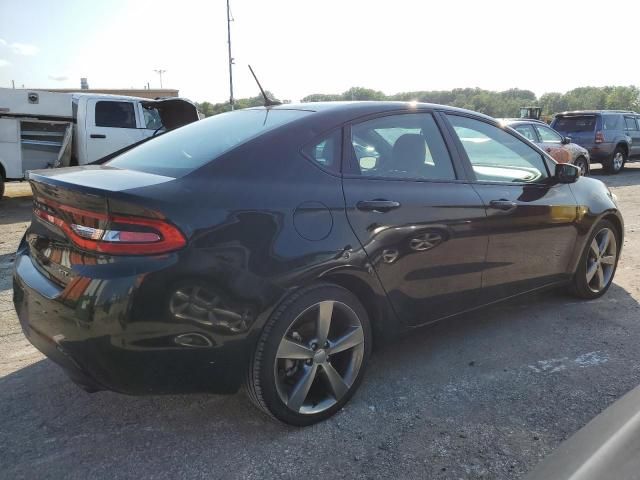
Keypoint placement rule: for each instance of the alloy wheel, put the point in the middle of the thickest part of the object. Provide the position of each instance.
(319, 357)
(601, 260)
(618, 161)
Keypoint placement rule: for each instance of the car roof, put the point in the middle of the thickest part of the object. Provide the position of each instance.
(594, 112)
(514, 121)
(360, 108)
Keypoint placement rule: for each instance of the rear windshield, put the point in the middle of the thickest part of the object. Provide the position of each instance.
(183, 150)
(586, 123)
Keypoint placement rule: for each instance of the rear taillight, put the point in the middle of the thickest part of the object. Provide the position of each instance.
(599, 137)
(115, 235)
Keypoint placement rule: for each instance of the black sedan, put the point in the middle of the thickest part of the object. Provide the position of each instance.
(273, 247)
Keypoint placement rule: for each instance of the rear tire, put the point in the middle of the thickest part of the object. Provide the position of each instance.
(311, 356)
(616, 163)
(598, 262)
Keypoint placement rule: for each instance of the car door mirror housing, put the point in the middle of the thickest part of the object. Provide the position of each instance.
(566, 173)
(565, 140)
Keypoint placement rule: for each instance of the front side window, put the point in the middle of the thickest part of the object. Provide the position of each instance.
(115, 114)
(407, 146)
(527, 132)
(547, 135)
(496, 155)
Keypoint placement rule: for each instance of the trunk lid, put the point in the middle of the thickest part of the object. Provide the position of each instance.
(70, 209)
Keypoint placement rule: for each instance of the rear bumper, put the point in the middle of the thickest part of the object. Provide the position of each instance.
(600, 152)
(95, 339)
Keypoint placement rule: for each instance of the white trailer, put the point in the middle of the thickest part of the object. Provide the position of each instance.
(40, 129)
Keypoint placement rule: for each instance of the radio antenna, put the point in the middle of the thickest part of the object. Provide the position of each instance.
(267, 101)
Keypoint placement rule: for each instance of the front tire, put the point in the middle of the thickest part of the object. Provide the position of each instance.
(311, 356)
(583, 165)
(598, 262)
(617, 161)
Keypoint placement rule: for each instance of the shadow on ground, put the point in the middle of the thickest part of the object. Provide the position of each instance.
(485, 395)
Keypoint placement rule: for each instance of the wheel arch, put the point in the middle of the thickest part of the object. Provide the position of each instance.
(376, 303)
(623, 144)
(618, 224)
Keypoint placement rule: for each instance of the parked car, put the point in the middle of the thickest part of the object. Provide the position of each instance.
(40, 129)
(259, 247)
(607, 447)
(611, 136)
(560, 148)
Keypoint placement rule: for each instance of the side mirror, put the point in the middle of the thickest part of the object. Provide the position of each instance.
(565, 140)
(566, 173)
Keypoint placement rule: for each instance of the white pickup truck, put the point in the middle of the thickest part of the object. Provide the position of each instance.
(40, 129)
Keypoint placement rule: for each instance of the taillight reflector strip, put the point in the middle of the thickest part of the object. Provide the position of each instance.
(133, 235)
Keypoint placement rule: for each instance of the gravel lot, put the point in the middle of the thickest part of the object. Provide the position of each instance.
(482, 396)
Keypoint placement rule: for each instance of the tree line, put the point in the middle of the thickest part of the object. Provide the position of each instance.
(497, 104)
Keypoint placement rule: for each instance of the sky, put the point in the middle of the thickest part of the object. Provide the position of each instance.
(299, 47)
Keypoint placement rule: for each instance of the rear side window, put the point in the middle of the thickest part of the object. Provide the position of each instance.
(630, 123)
(327, 151)
(407, 146)
(180, 151)
(586, 123)
(115, 114)
(612, 122)
(496, 155)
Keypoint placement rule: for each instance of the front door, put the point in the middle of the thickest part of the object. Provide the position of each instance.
(532, 219)
(419, 223)
(111, 125)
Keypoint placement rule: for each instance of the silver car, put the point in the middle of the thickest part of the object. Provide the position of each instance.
(559, 147)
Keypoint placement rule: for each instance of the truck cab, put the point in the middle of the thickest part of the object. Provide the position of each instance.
(40, 129)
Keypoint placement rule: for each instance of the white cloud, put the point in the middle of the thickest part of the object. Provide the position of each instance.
(24, 49)
(20, 48)
(4, 63)
(58, 78)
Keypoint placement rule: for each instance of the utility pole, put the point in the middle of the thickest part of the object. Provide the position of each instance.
(229, 20)
(13, 84)
(160, 72)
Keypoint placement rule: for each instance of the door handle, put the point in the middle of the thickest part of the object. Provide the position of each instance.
(98, 135)
(377, 205)
(502, 204)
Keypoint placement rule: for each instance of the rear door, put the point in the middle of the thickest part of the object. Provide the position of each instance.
(418, 220)
(634, 132)
(111, 125)
(531, 218)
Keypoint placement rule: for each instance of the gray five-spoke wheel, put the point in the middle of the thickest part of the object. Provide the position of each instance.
(618, 161)
(319, 357)
(601, 260)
